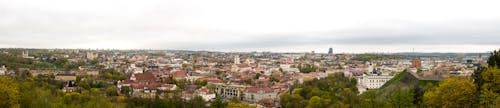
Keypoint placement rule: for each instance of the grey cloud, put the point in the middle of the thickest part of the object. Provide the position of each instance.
(158, 28)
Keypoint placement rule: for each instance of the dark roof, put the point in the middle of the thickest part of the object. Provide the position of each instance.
(65, 75)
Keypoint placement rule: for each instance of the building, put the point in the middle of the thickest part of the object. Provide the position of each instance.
(146, 84)
(3, 70)
(373, 79)
(91, 55)
(205, 93)
(255, 94)
(416, 63)
(229, 91)
(179, 75)
(69, 82)
(330, 51)
(26, 55)
(236, 59)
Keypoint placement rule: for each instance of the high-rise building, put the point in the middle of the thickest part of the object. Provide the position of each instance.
(330, 51)
(416, 63)
(236, 59)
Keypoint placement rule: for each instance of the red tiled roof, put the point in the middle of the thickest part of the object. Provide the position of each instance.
(127, 82)
(145, 76)
(137, 86)
(180, 74)
(153, 85)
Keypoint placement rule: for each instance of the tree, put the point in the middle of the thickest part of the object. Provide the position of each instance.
(240, 105)
(182, 83)
(217, 103)
(112, 91)
(200, 83)
(452, 93)
(306, 68)
(126, 90)
(334, 91)
(369, 99)
(314, 102)
(257, 76)
(494, 59)
(197, 102)
(9, 94)
(401, 97)
(293, 101)
(490, 86)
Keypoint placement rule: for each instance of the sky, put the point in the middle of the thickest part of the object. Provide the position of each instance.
(348, 26)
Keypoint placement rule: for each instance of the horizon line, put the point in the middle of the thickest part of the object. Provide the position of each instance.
(156, 49)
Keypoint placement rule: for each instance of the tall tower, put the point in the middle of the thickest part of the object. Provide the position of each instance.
(236, 59)
(330, 50)
(25, 54)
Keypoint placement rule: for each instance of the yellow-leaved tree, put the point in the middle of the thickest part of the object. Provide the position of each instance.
(454, 92)
(9, 93)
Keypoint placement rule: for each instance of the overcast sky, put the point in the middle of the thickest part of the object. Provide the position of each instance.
(348, 26)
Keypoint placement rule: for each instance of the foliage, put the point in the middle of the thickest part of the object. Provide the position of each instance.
(494, 59)
(112, 74)
(240, 105)
(15, 62)
(9, 92)
(419, 71)
(490, 88)
(306, 68)
(395, 79)
(182, 83)
(218, 103)
(451, 93)
(333, 90)
(272, 79)
(401, 97)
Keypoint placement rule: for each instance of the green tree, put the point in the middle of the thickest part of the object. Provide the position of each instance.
(402, 97)
(217, 103)
(494, 59)
(371, 99)
(314, 102)
(112, 91)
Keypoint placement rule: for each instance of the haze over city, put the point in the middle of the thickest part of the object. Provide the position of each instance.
(249, 54)
(355, 26)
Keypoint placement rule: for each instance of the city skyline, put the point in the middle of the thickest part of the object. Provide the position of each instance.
(387, 26)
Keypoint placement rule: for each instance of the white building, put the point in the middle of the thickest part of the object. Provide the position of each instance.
(3, 70)
(26, 55)
(374, 78)
(205, 93)
(373, 81)
(236, 59)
